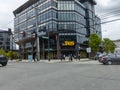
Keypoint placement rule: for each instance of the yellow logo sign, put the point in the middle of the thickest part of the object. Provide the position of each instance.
(69, 43)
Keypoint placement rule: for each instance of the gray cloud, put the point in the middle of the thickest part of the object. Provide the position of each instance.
(109, 30)
(111, 6)
(6, 12)
(8, 6)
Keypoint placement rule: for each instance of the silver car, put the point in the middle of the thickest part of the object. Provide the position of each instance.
(110, 59)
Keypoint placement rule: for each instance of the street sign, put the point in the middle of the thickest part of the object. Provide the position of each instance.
(50, 49)
(41, 33)
(45, 37)
(79, 48)
(88, 50)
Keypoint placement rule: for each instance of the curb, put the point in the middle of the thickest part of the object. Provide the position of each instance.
(53, 61)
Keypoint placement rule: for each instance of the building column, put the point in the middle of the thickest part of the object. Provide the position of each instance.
(58, 46)
(43, 49)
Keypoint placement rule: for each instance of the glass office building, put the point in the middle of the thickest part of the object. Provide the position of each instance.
(63, 27)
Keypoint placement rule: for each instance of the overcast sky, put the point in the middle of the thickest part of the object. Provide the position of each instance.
(109, 30)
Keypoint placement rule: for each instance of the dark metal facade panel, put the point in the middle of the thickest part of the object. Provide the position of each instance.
(24, 6)
(92, 1)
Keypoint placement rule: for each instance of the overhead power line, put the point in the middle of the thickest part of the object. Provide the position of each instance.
(111, 16)
(111, 12)
(108, 21)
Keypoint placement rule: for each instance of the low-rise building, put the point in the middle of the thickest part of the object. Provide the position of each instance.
(5, 37)
(117, 43)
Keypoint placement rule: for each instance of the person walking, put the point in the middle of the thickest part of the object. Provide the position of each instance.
(64, 56)
(61, 57)
(70, 57)
(79, 57)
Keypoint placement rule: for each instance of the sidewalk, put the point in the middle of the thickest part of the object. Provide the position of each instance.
(54, 60)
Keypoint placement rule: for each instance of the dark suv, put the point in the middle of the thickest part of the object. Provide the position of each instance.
(3, 60)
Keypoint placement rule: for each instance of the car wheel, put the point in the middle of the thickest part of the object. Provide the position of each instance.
(104, 63)
(4, 64)
(109, 62)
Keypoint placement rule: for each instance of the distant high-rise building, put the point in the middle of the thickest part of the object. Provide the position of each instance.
(67, 23)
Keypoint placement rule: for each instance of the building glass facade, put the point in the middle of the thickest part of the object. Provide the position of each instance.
(5, 40)
(67, 22)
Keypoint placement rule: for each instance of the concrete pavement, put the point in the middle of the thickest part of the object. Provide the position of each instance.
(59, 76)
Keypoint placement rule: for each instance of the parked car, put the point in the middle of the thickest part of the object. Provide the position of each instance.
(96, 56)
(3, 60)
(110, 59)
(100, 56)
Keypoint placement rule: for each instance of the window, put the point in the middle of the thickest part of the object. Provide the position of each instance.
(91, 14)
(81, 39)
(80, 9)
(16, 28)
(31, 22)
(65, 5)
(80, 19)
(91, 22)
(66, 16)
(81, 29)
(66, 26)
(22, 18)
(16, 21)
(31, 13)
(22, 26)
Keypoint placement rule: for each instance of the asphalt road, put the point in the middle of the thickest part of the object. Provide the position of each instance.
(59, 76)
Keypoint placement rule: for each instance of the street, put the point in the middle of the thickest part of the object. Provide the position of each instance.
(59, 76)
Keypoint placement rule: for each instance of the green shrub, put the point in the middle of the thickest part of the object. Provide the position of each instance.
(83, 54)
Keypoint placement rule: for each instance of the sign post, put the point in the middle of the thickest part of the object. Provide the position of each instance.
(42, 33)
(88, 51)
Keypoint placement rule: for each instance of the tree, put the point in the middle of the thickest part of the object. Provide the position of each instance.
(108, 45)
(2, 52)
(94, 42)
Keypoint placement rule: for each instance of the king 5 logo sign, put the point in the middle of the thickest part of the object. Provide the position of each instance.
(68, 43)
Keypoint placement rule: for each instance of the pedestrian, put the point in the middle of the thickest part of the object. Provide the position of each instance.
(70, 57)
(34, 57)
(64, 56)
(79, 57)
(61, 57)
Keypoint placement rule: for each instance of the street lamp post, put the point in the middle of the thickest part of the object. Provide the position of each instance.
(37, 43)
(38, 47)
